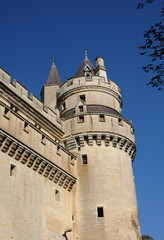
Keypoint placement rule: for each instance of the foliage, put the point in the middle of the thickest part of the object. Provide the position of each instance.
(154, 48)
(147, 237)
(141, 4)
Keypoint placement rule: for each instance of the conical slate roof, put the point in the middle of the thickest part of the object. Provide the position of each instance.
(54, 77)
(80, 72)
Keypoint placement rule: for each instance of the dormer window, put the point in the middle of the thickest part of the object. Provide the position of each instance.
(81, 108)
(87, 72)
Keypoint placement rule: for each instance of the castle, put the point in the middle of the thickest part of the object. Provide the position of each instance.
(66, 160)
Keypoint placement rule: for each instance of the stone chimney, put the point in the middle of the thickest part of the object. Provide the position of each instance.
(100, 68)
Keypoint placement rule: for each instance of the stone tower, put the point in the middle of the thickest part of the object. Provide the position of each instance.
(66, 161)
(105, 205)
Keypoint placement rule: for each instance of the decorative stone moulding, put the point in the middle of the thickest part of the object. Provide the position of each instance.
(36, 162)
(116, 141)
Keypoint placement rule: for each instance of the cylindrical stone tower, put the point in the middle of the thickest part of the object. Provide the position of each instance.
(105, 205)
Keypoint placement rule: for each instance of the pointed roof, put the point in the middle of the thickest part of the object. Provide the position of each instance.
(54, 77)
(80, 72)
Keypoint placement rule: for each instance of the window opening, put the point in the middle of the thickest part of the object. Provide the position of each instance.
(43, 139)
(85, 160)
(57, 194)
(26, 127)
(82, 98)
(72, 161)
(12, 170)
(81, 119)
(81, 108)
(101, 118)
(59, 150)
(120, 121)
(100, 212)
(6, 113)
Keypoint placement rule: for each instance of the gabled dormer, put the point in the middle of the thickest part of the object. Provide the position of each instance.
(80, 108)
(87, 72)
(86, 69)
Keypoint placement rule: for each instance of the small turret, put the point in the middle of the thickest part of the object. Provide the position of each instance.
(51, 88)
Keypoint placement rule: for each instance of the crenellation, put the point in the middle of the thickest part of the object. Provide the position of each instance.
(20, 88)
(38, 104)
(99, 126)
(32, 100)
(4, 76)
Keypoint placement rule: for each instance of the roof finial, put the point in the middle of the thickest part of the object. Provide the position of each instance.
(53, 60)
(86, 54)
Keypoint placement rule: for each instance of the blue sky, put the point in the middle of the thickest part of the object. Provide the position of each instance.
(32, 31)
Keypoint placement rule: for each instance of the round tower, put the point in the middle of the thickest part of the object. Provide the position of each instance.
(105, 205)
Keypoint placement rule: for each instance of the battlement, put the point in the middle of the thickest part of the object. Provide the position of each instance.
(29, 98)
(93, 81)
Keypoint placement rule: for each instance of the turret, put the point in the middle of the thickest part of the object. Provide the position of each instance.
(51, 88)
(103, 141)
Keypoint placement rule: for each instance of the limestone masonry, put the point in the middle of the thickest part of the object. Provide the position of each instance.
(66, 160)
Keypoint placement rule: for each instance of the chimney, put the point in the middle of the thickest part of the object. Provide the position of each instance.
(100, 68)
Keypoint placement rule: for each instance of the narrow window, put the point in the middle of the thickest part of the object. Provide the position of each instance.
(84, 159)
(63, 106)
(59, 150)
(81, 119)
(82, 98)
(43, 141)
(26, 127)
(120, 121)
(100, 212)
(12, 170)
(101, 118)
(6, 113)
(72, 161)
(81, 108)
(57, 195)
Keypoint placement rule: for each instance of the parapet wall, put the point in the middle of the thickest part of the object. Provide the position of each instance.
(30, 99)
(95, 81)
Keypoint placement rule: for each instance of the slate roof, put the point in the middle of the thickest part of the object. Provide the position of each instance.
(93, 109)
(54, 77)
(81, 69)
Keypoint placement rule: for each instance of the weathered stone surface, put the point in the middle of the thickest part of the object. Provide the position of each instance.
(66, 162)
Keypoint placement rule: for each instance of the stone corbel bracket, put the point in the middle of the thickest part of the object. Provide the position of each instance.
(36, 162)
(110, 139)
